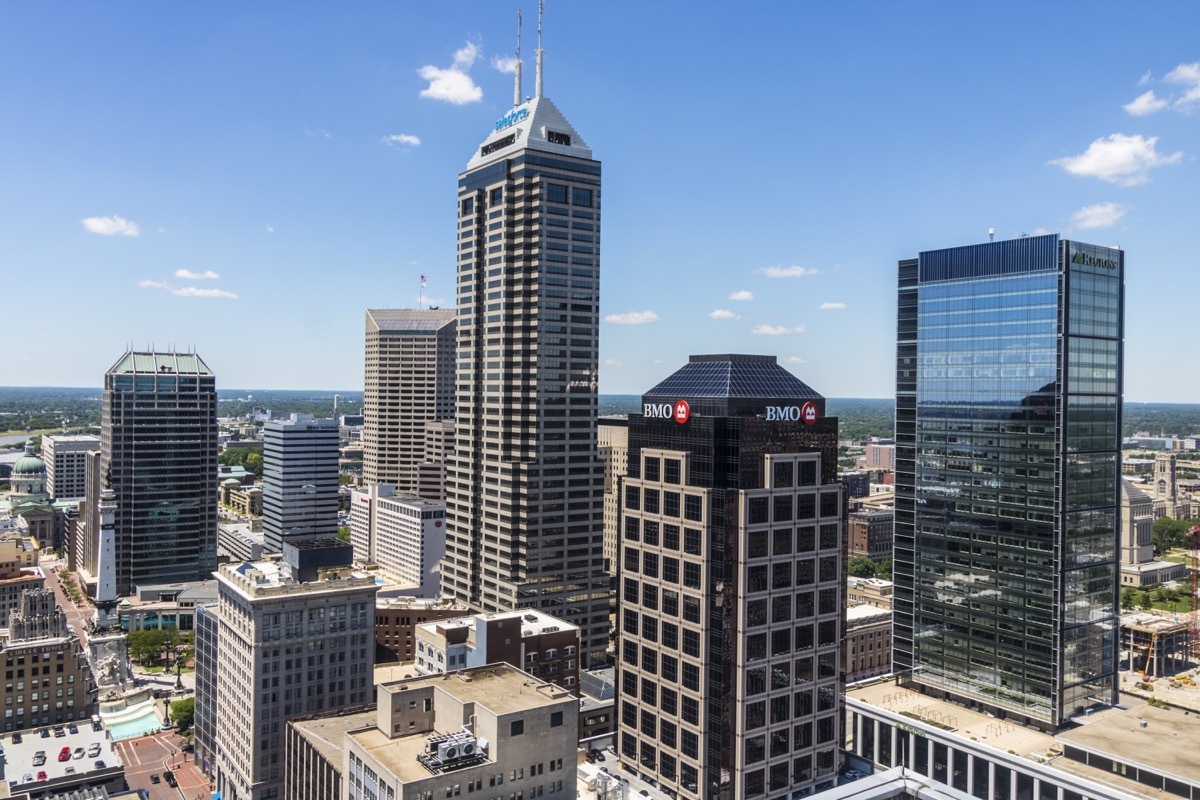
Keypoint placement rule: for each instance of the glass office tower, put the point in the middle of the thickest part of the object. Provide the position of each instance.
(1008, 434)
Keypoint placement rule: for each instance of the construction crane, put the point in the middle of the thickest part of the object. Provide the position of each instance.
(1194, 624)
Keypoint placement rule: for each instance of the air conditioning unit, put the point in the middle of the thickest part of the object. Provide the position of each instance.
(448, 751)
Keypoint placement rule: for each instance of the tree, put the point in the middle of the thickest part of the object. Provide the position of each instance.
(861, 567)
(884, 569)
(146, 646)
(183, 712)
(254, 463)
(344, 534)
(1129, 598)
(1168, 534)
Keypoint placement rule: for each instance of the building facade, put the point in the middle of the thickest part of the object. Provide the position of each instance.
(66, 464)
(300, 479)
(536, 642)
(1008, 432)
(158, 454)
(525, 485)
(294, 638)
(612, 437)
(731, 583)
(408, 380)
(871, 533)
(400, 535)
(396, 621)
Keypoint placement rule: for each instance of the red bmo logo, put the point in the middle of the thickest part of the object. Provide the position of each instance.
(808, 412)
(683, 411)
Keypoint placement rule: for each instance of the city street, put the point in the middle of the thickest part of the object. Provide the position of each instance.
(147, 755)
(77, 616)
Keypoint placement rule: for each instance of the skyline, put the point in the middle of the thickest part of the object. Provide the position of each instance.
(157, 165)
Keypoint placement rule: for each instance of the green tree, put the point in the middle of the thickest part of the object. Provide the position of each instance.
(861, 567)
(344, 534)
(884, 569)
(1168, 534)
(147, 646)
(254, 463)
(183, 712)
(1129, 598)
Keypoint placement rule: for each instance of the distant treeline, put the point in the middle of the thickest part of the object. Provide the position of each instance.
(46, 408)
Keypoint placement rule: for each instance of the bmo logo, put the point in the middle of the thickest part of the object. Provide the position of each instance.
(680, 411)
(806, 413)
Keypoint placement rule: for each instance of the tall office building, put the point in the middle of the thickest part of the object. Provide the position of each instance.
(525, 485)
(731, 584)
(293, 637)
(300, 479)
(66, 464)
(158, 454)
(1008, 437)
(408, 380)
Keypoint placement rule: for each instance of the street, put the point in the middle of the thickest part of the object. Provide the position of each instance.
(147, 755)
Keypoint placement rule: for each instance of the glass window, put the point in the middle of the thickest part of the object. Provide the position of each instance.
(556, 193)
(581, 197)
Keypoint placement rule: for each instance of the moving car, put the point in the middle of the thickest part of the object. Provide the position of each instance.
(154, 777)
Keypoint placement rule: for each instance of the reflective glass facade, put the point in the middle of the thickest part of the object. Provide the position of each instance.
(1007, 485)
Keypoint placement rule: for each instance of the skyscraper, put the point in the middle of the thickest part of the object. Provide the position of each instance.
(408, 381)
(300, 479)
(525, 484)
(158, 448)
(731, 584)
(1008, 436)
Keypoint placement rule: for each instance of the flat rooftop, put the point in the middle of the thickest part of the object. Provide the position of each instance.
(326, 734)
(1164, 746)
(19, 756)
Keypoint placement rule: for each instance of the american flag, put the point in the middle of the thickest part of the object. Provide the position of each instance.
(424, 281)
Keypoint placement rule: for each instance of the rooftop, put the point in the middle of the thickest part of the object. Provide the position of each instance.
(18, 757)
(732, 376)
(325, 733)
(409, 320)
(134, 363)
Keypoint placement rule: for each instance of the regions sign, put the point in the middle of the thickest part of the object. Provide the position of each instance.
(1086, 260)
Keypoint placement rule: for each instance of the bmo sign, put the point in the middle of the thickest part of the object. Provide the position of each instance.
(806, 413)
(680, 411)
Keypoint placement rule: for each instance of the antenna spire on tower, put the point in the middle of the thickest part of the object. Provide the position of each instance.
(517, 87)
(538, 82)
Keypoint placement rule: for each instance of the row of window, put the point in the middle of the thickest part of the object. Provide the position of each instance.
(648, 500)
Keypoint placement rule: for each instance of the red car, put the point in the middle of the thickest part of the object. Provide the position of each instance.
(42, 775)
(64, 754)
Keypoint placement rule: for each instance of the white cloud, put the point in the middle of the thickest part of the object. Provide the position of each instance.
(1120, 159)
(742, 294)
(187, 274)
(776, 330)
(1144, 104)
(611, 362)
(1040, 231)
(192, 291)
(793, 271)
(453, 84)
(793, 360)
(721, 313)
(505, 64)
(1145, 79)
(1101, 215)
(832, 306)
(269, 229)
(1187, 75)
(187, 291)
(116, 225)
(402, 140)
(632, 318)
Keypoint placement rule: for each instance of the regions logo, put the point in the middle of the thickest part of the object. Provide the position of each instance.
(1092, 261)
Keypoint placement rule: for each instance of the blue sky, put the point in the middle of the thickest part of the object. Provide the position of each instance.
(244, 179)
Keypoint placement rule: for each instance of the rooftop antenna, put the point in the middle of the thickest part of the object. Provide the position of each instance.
(537, 89)
(517, 88)
(991, 234)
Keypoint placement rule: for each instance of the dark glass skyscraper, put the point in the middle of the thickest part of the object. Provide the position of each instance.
(525, 485)
(158, 446)
(1008, 434)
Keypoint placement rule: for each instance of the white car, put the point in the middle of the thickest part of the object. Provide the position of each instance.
(94, 750)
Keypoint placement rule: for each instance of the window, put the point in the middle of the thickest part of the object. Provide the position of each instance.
(671, 472)
(691, 643)
(633, 496)
(581, 197)
(556, 193)
(650, 468)
(692, 508)
(517, 728)
(468, 206)
(670, 537)
(650, 501)
(691, 575)
(670, 570)
(691, 541)
(650, 531)
(556, 719)
(830, 507)
(631, 590)
(632, 528)
(650, 566)
(670, 603)
(633, 557)
(671, 504)
(497, 196)
(691, 609)
(783, 477)
(759, 510)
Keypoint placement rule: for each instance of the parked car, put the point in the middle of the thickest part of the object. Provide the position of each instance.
(73, 728)
(78, 752)
(42, 775)
(45, 733)
(16, 738)
(27, 777)
(94, 750)
(64, 754)
(101, 765)
(39, 758)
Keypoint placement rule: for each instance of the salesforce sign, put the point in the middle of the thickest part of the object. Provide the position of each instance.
(512, 118)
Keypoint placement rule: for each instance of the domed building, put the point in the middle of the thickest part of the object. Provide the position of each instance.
(28, 478)
(28, 501)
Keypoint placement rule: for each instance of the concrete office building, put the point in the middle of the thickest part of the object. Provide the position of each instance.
(1008, 432)
(731, 584)
(871, 533)
(408, 381)
(612, 439)
(66, 464)
(439, 447)
(525, 486)
(400, 535)
(294, 638)
(158, 454)
(300, 480)
(396, 621)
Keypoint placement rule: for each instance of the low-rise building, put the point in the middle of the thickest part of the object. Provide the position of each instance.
(875, 592)
(542, 645)
(871, 533)
(868, 642)
(396, 621)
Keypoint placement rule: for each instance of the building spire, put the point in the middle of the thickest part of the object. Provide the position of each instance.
(538, 81)
(517, 87)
